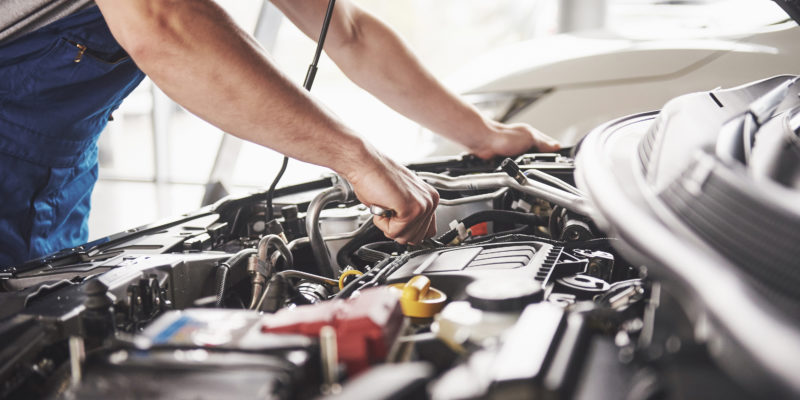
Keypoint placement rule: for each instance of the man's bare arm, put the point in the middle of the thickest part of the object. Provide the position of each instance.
(372, 55)
(194, 52)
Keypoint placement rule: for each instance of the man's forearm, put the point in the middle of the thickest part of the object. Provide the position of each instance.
(201, 59)
(380, 62)
(372, 55)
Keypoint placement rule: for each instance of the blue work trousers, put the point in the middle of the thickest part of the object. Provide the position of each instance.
(58, 87)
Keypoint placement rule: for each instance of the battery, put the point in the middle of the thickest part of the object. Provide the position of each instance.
(365, 325)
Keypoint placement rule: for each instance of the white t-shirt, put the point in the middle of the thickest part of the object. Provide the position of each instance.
(18, 17)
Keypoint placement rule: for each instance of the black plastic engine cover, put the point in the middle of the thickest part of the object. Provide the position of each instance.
(451, 270)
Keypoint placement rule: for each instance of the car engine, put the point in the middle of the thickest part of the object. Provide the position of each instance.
(534, 287)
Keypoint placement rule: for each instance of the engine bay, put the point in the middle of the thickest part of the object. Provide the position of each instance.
(146, 304)
(520, 295)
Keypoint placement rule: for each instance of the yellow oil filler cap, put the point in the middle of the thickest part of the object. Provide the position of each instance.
(418, 299)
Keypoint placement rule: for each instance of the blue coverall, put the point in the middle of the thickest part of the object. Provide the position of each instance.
(58, 87)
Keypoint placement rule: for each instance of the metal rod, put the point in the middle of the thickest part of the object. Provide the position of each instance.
(309, 81)
(311, 277)
(330, 360)
(312, 69)
(76, 356)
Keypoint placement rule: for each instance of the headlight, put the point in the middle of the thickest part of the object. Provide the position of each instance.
(502, 106)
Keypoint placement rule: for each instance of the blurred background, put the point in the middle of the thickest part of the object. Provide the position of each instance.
(157, 160)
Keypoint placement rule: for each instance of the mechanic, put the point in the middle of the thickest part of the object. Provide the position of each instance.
(65, 65)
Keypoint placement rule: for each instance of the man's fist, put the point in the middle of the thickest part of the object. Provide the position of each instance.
(384, 183)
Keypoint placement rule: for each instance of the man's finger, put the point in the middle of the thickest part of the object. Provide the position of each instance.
(546, 143)
(431, 228)
(382, 223)
(399, 231)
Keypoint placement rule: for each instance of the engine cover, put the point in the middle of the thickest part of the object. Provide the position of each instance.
(451, 270)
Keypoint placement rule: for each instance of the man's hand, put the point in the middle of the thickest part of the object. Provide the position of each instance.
(391, 186)
(512, 140)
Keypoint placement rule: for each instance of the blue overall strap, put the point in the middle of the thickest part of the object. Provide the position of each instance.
(58, 87)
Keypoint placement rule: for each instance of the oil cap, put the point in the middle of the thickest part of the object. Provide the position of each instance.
(503, 295)
(419, 299)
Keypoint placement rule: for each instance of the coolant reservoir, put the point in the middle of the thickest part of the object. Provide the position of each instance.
(338, 221)
(492, 306)
(334, 221)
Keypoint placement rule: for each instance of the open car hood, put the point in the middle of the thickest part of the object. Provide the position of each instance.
(704, 191)
(792, 7)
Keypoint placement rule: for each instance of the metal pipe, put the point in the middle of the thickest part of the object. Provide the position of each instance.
(277, 242)
(77, 354)
(311, 277)
(497, 180)
(318, 248)
(554, 181)
(277, 287)
(268, 263)
(329, 355)
(257, 291)
(472, 199)
(258, 277)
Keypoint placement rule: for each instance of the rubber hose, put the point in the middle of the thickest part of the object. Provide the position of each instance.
(222, 278)
(318, 247)
(221, 275)
(271, 191)
(554, 223)
(369, 234)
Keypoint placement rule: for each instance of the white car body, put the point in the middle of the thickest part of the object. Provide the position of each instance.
(567, 84)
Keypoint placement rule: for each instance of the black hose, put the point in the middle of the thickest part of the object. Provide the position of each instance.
(370, 234)
(363, 280)
(318, 247)
(271, 191)
(554, 223)
(501, 216)
(221, 275)
(221, 279)
(374, 252)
